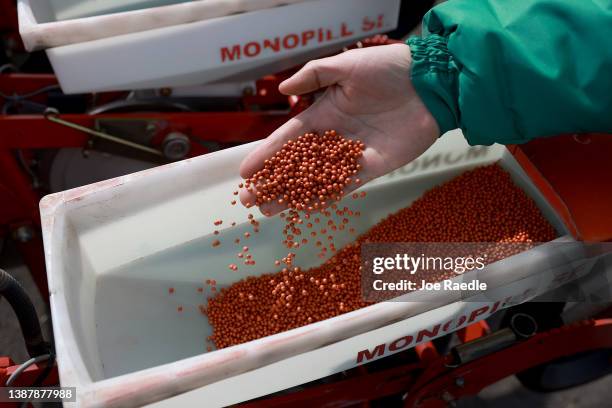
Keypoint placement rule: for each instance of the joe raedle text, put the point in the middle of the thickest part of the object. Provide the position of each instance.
(406, 285)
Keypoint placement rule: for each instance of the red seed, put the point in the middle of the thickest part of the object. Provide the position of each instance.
(481, 205)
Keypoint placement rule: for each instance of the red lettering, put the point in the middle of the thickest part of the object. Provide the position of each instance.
(400, 343)
(320, 38)
(495, 306)
(274, 46)
(307, 36)
(330, 35)
(291, 41)
(252, 49)
(447, 325)
(380, 24)
(431, 334)
(231, 55)
(477, 313)
(367, 25)
(344, 31)
(367, 355)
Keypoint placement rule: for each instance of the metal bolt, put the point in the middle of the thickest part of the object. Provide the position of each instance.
(176, 146)
(459, 382)
(24, 234)
(151, 128)
(447, 397)
(165, 92)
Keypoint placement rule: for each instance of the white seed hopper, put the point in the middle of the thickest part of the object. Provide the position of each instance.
(114, 248)
(125, 45)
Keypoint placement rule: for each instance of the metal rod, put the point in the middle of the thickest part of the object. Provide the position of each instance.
(51, 115)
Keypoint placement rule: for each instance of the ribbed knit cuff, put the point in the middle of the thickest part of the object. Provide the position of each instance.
(434, 76)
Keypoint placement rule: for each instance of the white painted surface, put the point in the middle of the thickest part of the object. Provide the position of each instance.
(140, 50)
(53, 23)
(118, 336)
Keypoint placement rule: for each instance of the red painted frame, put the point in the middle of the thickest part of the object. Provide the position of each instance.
(258, 117)
(427, 382)
(431, 383)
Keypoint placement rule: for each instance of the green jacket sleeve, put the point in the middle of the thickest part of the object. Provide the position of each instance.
(510, 71)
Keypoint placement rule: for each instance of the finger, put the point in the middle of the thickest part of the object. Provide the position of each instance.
(254, 161)
(316, 74)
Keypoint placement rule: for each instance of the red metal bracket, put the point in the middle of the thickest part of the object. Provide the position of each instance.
(442, 384)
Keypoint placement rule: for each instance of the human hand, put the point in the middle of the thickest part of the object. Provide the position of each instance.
(369, 97)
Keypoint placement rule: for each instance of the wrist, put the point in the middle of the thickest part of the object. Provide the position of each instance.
(434, 76)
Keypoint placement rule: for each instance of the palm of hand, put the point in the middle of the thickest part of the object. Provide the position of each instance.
(369, 97)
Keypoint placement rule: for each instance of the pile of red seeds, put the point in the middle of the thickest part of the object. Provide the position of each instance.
(308, 171)
(481, 205)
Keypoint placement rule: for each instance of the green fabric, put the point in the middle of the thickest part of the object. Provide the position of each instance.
(507, 71)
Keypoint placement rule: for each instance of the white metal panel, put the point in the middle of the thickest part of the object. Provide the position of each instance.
(118, 336)
(232, 48)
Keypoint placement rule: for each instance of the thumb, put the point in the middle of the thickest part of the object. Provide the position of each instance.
(317, 74)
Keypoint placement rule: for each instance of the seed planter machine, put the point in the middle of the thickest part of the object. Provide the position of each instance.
(170, 92)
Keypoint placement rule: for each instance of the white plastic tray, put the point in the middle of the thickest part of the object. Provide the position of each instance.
(195, 43)
(119, 338)
(53, 23)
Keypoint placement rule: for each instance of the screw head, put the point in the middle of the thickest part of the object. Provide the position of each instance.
(176, 146)
(24, 234)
